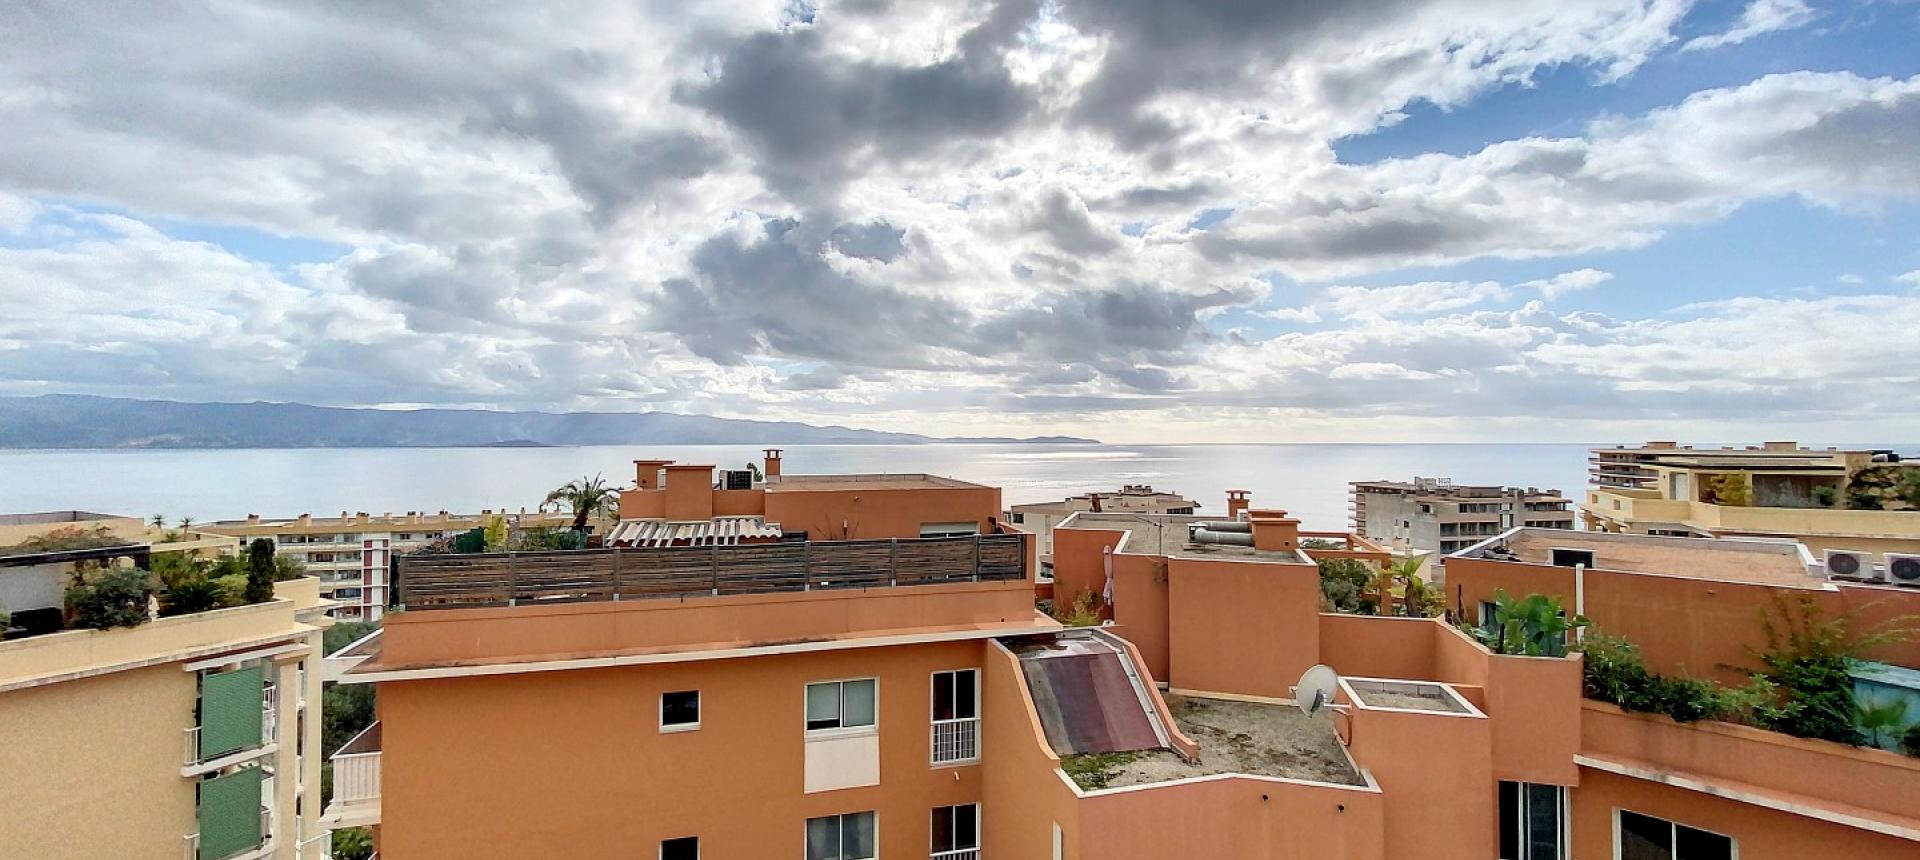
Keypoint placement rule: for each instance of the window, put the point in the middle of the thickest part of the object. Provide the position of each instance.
(956, 832)
(840, 704)
(1019, 518)
(842, 837)
(939, 530)
(1644, 837)
(1488, 610)
(1562, 557)
(956, 716)
(683, 848)
(1532, 821)
(680, 711)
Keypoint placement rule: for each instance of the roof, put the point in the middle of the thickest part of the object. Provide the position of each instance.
(1755, 560)
(719, 531)
(55, 517)
(1166, 534)
(1255, 738)
(1084, 698)
(868, 481)
(382, 522)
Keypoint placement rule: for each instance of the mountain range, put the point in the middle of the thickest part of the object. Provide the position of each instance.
(82, 421)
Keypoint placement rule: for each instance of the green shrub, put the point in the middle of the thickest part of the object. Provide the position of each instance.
(233, 588)
(1343, 585)
(352, 843)
(1084, 612)
(1825, 496)
(1095, 771)
(1533, 626)
(1807, 657)
(1911, 740)
(1615, 673)
(287, 567)
(115, 597)
(550, 539)
(189, 596)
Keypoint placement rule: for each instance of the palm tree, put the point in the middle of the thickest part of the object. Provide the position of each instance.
(158, 521)
(1407, 570)
(186, 523)
(586, 497)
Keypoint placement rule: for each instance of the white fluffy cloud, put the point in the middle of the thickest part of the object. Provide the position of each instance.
(1759, 17)
(1009, 215)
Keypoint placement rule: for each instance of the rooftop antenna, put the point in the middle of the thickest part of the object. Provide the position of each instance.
(1315, 690)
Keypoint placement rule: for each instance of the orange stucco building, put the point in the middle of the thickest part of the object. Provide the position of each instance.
(859, 677)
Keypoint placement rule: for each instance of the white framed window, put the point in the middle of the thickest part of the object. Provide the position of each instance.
(940, 530)
(853, 836)
(682, 848)
(680, 711)
(1637, 836)
(846, 704)
(956, 716)
(956, 832)
(1533, 821)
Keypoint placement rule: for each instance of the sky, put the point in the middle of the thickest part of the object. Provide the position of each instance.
(1135, 220)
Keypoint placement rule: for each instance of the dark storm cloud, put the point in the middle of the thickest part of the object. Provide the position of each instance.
(810, 116)
(1161, 46)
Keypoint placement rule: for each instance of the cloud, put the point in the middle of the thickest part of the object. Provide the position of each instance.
(1760, 17)
(902, 214)
(1912, 277)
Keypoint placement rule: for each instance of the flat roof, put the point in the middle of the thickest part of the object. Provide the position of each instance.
(1755, 560)
(1166, 534)
(869, 481)
(50, 517)
(1245, 738)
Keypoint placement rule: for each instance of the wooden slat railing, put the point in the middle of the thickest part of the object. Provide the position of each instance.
(512, 578)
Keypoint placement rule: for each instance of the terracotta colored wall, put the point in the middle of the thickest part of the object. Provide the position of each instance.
(1759, 833)
(1076, 560)
(1870, 780)
(850, 514)
(571, 764)
(1378, 647)
(1682, 625)
(643, 504)
(1141, 608)
(1234, 817)
(586, 629)
(1023, 795)
(739, 503)
(1246, 628)
(1436, 774)
(689, 492)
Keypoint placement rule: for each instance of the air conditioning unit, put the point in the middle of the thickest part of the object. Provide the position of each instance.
(738, 479)
(1903, 569)
(1848, 563)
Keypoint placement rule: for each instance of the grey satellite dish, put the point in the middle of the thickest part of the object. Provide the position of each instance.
(1315, 690)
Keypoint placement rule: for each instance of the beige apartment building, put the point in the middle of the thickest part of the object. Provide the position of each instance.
(1039, 518)
(193, 736)
(1436, 515)
(350, 554)
(1853, 501)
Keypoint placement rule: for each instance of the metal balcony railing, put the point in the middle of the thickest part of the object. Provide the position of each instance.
(956, 740)
(507, 579)
(957, 854)
(269, 731)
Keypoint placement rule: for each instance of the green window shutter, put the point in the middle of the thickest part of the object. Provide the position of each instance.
(230, 814)
(230, 711)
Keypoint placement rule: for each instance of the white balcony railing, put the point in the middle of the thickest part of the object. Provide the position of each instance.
(957, 854)
(956, 740)
(356, 777)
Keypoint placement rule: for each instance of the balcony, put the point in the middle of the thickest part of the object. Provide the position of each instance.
(512, 579)
(956, 741)
(196, 759)
(958, 854)
(356, 782)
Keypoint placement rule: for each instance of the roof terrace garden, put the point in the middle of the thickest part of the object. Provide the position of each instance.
(1235, 738)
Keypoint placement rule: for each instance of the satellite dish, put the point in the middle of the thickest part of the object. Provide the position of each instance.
(1315, 690)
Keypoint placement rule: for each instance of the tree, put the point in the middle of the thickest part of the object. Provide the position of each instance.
(186, 523)
(1343, 585)
(1807, 659)
(352, 843)
(1533, 626)
(188, 596)
(260, 571)
(158, 521)
(586, 498)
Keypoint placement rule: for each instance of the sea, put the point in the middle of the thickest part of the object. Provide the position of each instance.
(1309, 480)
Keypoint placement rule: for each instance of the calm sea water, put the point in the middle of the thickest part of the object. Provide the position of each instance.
(1309, 480)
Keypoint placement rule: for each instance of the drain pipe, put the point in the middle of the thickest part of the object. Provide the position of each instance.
(1580, 599)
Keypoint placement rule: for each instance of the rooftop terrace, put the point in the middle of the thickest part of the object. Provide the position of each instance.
(1166, 534)
(871, 481)
(1244, 738)
(1755, 560)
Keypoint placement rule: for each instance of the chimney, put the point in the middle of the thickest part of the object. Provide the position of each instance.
(772, 469)
(646, 473)
(1094, 500)
(306, 519)
(1782, 446)
(1236, 503)
(253, 519)
(1274, 531)
(344, 517)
